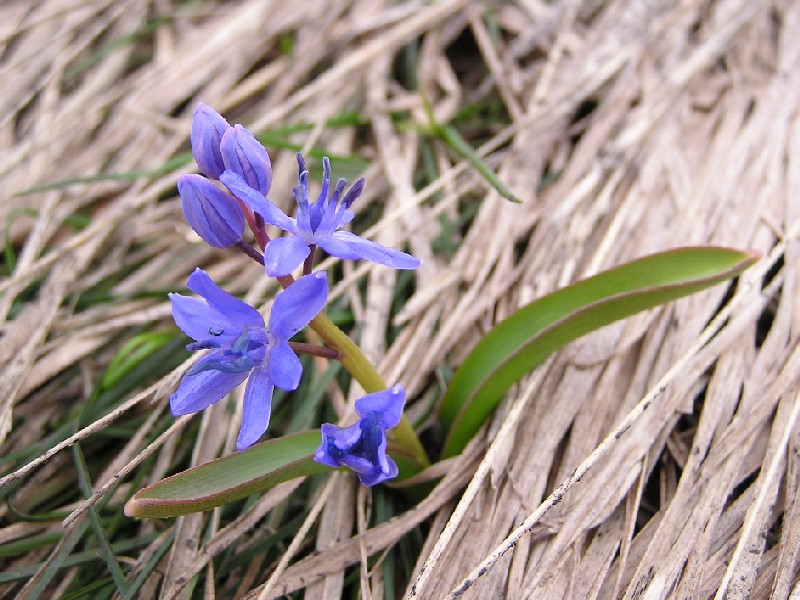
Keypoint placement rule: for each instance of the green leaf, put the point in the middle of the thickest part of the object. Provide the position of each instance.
(453, 140)
(133, 353)
(531, 334)
(451, 137)
(231, 478)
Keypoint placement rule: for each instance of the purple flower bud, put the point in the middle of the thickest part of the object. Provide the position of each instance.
(213, 214)
(208, 127)
(243, 154)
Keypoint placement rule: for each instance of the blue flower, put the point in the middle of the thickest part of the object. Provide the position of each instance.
(241, 346)
(317, 224)
(362, 446)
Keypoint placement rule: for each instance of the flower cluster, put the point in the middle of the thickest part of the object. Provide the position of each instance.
(219, 148)
(231, 192)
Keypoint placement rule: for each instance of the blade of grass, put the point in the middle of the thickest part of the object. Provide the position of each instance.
(453, 140)
(106, 553)
(276, 138)
(10, 255)
(33, 542)
(94, 588)
(120, 42)
(73, 560)
(43, 573)
(142, 575)
(169, 166)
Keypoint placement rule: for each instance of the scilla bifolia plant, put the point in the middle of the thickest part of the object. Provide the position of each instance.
(240, 345)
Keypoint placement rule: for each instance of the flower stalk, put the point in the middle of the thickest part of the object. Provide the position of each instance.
(365, 374)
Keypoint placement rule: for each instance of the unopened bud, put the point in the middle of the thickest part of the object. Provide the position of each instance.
(243, 154)
(208, 127)
(213, 214)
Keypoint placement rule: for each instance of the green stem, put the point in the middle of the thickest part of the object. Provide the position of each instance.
(362, 370)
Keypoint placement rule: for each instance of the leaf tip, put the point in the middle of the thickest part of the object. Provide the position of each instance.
(753, 256)
(133, 508)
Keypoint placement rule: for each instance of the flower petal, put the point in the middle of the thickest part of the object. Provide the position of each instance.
(387, 466)
(199, 391)
(283, 255)
(284, 366)
(336, 441)
(242, 153)
(213, 214)
(325, 221)
(376, 466)
(295, 306)
(208, 127)
(201, 322)
(358, 247)
(256, 410)
(387, 405)
(257, 202)
(347, 437)
(346, 217)
(237, 311)
(327, 450)
(362, 467)
(338, 248)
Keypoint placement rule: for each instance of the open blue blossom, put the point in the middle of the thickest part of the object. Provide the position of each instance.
(362, 446)
(317, 224)
(241, 346)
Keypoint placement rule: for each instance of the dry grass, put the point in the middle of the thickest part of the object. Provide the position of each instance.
(627, 127)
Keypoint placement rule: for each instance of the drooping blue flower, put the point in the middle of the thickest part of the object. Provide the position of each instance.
(362, 446)
(317, 223)
(241, 346)
(214, 215)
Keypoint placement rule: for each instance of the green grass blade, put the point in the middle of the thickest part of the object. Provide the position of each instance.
(134, 352)
(142, 576)
(530, 335)
(451, 137)
(104, 546)
(453, 140)
(233, 477)
(58, 559)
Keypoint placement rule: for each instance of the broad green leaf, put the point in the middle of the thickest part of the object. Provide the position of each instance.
(531, 334)
(233, 477)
